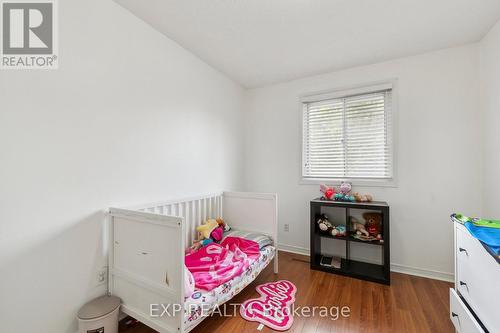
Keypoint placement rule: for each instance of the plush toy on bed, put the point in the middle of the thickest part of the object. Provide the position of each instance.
(207, 227)
(198, 244)
(223, 224)
(212, 230)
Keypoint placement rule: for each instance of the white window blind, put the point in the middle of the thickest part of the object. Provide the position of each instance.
(348, 137)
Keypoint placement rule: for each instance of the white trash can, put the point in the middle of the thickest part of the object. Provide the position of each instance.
(99, 315)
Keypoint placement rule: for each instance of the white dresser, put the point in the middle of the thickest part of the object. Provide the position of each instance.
(475, 300)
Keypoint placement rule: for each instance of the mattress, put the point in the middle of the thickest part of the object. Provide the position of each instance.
(202, 303)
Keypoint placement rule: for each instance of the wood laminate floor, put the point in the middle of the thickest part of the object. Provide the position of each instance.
(410, 304)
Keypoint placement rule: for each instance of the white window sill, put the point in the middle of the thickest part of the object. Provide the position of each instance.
(354, 181)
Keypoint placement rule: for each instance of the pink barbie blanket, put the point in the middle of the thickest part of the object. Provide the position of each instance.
(273, 307)
(215, 264)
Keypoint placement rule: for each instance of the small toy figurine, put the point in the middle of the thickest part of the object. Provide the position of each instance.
(328, 192)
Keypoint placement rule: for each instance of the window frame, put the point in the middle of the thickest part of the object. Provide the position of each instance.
(345, 92)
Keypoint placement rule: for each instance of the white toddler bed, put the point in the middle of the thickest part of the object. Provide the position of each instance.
(147, 243)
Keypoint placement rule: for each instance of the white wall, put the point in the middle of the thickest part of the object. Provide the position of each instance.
(129, 117)
(438, 152)
(490, 99)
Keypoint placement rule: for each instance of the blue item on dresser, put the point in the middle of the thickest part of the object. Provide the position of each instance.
(488, 236)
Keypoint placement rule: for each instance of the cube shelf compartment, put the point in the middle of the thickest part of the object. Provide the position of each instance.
(349, 267)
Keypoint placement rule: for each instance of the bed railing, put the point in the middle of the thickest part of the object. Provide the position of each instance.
(193, 210)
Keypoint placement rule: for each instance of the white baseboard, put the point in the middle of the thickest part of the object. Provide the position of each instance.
(422, 272)
(293, 249)
(427, 273)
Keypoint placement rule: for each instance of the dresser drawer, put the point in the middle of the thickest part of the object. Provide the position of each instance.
(461, 317)
(478, 279)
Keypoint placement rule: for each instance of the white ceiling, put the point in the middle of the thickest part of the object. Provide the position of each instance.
(258, 42)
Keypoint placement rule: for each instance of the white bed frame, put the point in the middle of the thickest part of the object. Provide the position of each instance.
(146, 252)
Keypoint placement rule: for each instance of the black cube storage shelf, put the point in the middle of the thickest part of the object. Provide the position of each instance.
(349, 267)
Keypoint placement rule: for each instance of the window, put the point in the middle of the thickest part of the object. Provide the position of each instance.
(348, 135)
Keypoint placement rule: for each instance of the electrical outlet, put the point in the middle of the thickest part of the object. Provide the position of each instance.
(102, 275)
(287, 227)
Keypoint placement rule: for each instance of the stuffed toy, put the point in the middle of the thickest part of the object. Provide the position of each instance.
(345, 188)
(338, 231)
(216, 234)
(328, 228)
(198, 244)
(328, 192)
(359, 228)
(206, 229)
(373, 224)
(224, 225)
(324, 224)
(344, 193)
(362, 197)
(212, 230)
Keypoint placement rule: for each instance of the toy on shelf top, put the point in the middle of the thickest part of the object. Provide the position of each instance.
(363, 197)
(343, 194)
(327, 191)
